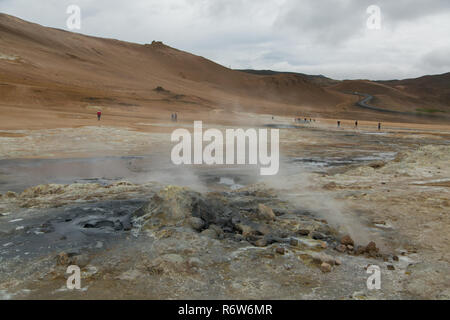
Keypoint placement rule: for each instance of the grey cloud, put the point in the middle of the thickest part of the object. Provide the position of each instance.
(336, 21)
(438, 58)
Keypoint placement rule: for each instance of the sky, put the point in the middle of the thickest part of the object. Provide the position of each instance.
(328, 37)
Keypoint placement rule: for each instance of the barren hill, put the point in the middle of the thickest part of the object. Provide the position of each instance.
(433, 90)
(55, 78)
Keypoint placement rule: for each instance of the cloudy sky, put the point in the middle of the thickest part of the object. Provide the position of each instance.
(328, 37)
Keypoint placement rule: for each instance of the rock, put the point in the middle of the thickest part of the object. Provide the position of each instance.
(377, 164)
(280, 250)
(218, 231)
(210, 233)
(11, 195)
(168, 207)
(81, 260)
(371, 248)
(347, 240)
(265, 213)
(245, 229)
(293, 242)
(62, 259)
(303, 232)
(324, 245)
(317, 235)
(261, 243)
(338, 262)
(323, 258)
(360, 250)
(341, 248)
(390, 267)
(325, 267)
(395, 258)
(196, 223)
(330, 186)
(349, 247)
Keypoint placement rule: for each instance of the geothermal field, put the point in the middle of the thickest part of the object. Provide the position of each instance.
(105, 195)
(140, 227)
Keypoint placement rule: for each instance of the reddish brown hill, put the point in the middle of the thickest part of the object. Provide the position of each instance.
(50, 69)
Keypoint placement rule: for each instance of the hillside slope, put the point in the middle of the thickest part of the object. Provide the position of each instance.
(55, 78)
(50, 69)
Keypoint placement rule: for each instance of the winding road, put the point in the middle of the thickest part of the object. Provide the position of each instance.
(364, 103)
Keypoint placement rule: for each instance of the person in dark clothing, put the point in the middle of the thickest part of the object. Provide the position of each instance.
(356, 124)
(339, 124)
(379, 126)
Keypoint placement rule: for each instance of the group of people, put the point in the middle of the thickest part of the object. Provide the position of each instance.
(356, 124)
(297, 120)
(305, 120)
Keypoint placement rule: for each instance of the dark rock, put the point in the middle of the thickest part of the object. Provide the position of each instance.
(377, 164)
(317, 235)
(371, 248)
(196, 223)
(347, 240)
(303, 232)
(63, 259)
(360, 250)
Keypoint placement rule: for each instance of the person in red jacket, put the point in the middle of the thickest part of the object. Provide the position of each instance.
(99, 115)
